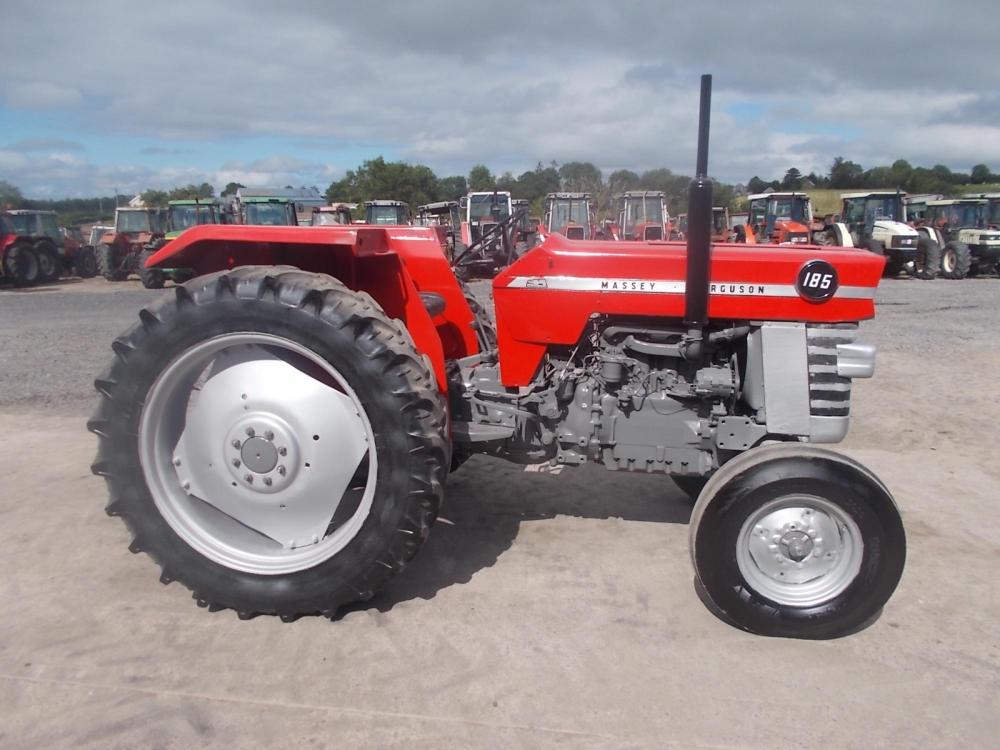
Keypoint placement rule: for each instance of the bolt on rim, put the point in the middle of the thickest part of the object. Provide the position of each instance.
(799, 550)
(258, 453)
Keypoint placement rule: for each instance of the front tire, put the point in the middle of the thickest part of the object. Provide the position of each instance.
(342, 453)
(85, 263)
(49, 263)
(151, 278)
(108, 264)
(956, 260)
(796, 541)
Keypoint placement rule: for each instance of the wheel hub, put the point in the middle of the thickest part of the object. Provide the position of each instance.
(262, 453)
(796, 545)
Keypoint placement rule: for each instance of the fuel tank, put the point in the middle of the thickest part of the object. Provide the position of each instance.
(550, 293)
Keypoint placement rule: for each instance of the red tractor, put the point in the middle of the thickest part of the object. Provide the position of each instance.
(35, 250)
(642, 215)
(571, 215)
(120, 251)
(277, 433)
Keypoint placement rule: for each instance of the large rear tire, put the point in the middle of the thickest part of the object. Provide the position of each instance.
(273, 441)
(956, 260)
(20, 264)
(928, 258)
(796, 541)
(108, 264)
(151, 278)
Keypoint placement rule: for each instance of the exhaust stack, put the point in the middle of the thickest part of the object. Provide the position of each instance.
(699, 243)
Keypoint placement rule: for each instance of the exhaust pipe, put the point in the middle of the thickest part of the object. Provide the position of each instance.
(699, 244)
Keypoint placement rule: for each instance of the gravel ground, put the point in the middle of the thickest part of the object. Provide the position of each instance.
(544, 610)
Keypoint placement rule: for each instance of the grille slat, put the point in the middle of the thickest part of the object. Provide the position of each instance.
(829, 393)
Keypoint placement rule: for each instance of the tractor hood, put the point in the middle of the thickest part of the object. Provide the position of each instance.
(549, 295)
(895, 228)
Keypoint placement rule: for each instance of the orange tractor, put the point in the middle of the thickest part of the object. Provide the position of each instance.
(778, 218)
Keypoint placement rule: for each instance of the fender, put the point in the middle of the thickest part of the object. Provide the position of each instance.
(394, 264)
(932, 234)
(843, 234)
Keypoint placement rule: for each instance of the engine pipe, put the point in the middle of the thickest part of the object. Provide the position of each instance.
(699, 244)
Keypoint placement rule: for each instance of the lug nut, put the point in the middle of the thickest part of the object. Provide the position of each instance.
(267, 481)
(177, 462)
(236, 443)
(250, 432)
(236, 463)
(248, 478)
(186, 486)
(282, 451)
(281, 470)
(269, 435)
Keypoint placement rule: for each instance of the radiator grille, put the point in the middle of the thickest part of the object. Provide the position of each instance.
(829, 393)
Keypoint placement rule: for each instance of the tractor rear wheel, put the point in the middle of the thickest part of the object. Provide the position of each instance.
(85, 263)
(796, 541)
(49, 262)
(108, 264)
(151, 278)
(20, 264)
(956, 260)
(273, 441)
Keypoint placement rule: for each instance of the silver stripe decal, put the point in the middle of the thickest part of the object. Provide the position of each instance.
(672, 286)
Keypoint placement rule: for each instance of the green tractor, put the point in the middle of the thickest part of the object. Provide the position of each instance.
(181, 215)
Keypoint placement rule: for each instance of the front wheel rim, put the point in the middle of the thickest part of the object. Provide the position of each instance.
(258, 453)
(799, 551)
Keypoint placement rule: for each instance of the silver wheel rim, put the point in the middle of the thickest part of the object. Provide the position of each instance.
(251, 446)
(948, 261)
(799, 551)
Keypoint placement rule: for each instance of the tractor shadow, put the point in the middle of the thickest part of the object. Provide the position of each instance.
(487, 500)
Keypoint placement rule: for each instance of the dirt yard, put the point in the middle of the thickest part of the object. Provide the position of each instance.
(544, 611)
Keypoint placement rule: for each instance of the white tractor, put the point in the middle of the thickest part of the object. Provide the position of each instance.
(876, 220)
(967, 232)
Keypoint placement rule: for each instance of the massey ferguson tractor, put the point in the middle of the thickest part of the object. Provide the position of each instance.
(120, 251)
(571, 215)
(277, 433)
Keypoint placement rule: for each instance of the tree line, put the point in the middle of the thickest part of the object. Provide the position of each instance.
(846, 174)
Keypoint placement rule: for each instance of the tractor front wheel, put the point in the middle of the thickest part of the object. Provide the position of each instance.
(108, 264)
(85, 263)
(796, 541)
(49, 262)
(151, 278)
(273, 441)
(956, 260)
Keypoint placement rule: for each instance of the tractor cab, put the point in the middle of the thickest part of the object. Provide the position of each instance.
(569, 214)
(721, 231)
(138, 224)
(184, 214)
(97, 231)
(392, 213)
(642, 215)
(527, 229)
(481, 209)
(992, 207)
(335, 214)
(781, 218)
(269, 212)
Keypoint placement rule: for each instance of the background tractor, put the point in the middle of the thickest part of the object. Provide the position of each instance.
(779, 218)
(642, 215)
(569, 214)
(119, 252)
(876, 220)
(267, 212)
(278, 436)
(387, 212)
(721, 229)
(36, 250)
(180, 216)
(966, 232)
(338, 213)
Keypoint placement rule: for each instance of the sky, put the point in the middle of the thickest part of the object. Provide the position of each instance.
(96, 97)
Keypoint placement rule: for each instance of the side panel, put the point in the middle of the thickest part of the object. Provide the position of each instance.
(548, 295)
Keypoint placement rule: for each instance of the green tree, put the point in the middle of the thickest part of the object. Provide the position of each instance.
(580, 177)
(480, 178)
(232, 187)
(378, 179)
(792, 180)
(10, 195)
(845, 174)
(154, 198)
(188, 192)
(452, 188)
